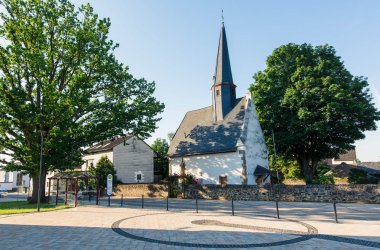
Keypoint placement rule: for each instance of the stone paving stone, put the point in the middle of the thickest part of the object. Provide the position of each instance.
(90, 228)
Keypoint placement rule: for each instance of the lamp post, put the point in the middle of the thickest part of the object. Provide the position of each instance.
(40, 174)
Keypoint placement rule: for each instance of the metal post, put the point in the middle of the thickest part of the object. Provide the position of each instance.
(76, 192)
(98, 197)
(97, 191)
(278, 212)
(40, 174)
(109, 200)
(142, 201)
(233, 209)
(66, 189)
(56, 195)
(196, 203)
(121, 200)
(48, 191)
(336, 214)
(167, 203)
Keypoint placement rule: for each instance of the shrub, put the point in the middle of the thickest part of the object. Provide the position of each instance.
(288, 169)
(190, 179)
(102, 169)
(323, 175)
(358, 176)
(174, 187)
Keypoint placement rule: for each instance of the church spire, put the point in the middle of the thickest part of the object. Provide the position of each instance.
(223, 72)
(224, 96)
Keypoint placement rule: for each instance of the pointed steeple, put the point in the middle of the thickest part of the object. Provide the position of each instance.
(223, 73)
(224, 96)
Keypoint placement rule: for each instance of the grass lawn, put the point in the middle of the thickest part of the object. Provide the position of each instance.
(18, 207)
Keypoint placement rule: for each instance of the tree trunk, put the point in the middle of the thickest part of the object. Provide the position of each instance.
(308, 174)
(35, 179)
(308, 169)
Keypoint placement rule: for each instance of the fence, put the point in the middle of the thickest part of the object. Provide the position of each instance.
(336, 212)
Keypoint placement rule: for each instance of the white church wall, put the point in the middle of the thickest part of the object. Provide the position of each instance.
(208, 168)
(255, 149)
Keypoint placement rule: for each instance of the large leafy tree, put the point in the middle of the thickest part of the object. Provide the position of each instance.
(60, 83)
(314, 106)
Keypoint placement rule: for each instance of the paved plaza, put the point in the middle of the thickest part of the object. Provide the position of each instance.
(255, 225)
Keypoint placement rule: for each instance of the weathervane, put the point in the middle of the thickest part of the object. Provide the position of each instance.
(222, 17)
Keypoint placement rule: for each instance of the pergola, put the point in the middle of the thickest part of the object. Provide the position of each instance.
(73, 176)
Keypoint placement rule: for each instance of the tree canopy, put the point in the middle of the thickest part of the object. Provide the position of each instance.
(160, 146)
(103, 168)
(313, 104)
(60, 80)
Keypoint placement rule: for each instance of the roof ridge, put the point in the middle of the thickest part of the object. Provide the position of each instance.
(199, 109)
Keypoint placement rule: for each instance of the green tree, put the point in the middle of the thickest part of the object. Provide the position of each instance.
(314, 106)
(60, 82)
(103, 168)
(288, 169)
(161, 163)
(323, 174)
(160, 146)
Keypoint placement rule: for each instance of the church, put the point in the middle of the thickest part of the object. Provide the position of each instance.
(222, 143)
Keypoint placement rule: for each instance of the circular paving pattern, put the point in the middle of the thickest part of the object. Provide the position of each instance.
(293, 236)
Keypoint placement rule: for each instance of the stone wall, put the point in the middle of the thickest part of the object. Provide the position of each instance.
(137, 190)
(309, 193)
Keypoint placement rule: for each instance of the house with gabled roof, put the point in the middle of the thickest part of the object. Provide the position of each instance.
(222, 143)
(131, 157)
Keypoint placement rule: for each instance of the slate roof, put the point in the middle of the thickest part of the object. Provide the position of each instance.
(107, 145)
(198, 134)
(73, 174)
(260, 170)
(348, 156)
(223, 72)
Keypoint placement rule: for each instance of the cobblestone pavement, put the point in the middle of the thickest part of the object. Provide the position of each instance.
(301, 226)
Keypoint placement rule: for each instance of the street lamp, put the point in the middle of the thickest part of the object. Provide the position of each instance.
(40, 174)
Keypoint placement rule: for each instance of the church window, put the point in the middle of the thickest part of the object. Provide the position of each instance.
(218, 92)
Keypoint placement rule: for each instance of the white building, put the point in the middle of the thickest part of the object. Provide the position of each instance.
(15, 180)
(222, 143)
(132, 158)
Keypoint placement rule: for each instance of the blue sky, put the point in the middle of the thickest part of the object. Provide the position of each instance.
(174, 43)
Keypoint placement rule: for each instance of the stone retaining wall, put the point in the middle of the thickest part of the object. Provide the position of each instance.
(137, 190)
(310, 193)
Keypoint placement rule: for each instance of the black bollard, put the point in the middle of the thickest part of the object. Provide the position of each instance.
(196, 203)
(121, 200)
(336, 214)
(167, 203)
(233, 209)
(278, 212)
(142, 201)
